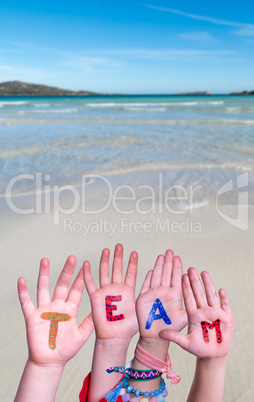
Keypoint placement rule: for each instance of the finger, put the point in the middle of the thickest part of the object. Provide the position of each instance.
(147, 282)
(175, 336)
(211, 296)
(43, 296)
(131, 273)
(177, 273)
(167, 268)
(157, 272)
(224, 301)
(64, 280)
(24, 298)
(104, 270)
(189, 300)
(86, 327)
(76, 290)
(197, 288)
(117, 272)
(88, 279)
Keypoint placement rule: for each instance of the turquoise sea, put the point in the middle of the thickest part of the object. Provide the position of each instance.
(194, 140)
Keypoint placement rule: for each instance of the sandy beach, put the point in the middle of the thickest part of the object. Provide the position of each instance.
(202, 237)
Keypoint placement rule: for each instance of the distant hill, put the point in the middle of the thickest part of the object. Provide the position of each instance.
(196, 93)
(243, 93)
(19, 88)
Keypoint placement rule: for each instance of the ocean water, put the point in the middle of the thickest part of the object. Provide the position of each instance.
(191, 140)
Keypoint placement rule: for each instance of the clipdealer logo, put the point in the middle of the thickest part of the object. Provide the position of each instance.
(47, 198)
(242, 219)
(124, 199)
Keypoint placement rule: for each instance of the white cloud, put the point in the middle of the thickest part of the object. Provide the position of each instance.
(94, 59)
(88, 59)
(35, 47)
(198, 36)
(23, 73)
(162, 54)
(4, 68)
(88, 63)
(245, 29)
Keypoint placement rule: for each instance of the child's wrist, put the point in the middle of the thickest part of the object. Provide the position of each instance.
(44, 377)
(48, 368)
(157, 348)
(39, 381)
(214, 362)
(113, 344)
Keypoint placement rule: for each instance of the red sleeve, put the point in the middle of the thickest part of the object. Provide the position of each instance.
(84, 392)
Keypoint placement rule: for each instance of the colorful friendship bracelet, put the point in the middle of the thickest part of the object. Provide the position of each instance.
(135, 374)
(151, 361)
(157, 395)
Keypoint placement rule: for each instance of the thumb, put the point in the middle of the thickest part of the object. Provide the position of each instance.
(24, 298)
(184, 319)
(86, 327)
(174, 336)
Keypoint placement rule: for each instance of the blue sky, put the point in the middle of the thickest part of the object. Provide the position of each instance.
(149, 46)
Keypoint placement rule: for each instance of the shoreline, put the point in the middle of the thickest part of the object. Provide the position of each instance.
(126, 95)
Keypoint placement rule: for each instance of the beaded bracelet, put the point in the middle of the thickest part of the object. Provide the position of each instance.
(159, 393)
(135, 374)
(137, 392)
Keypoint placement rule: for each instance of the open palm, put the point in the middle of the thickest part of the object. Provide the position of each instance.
(162, 285)
(204, 307)
(70, 336)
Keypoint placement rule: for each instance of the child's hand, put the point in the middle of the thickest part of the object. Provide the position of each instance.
(106, 325)
(66, 337)
(114, 316)
(203, 309)
(161, 291)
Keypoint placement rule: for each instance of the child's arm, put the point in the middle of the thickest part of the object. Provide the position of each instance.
(209, 336)
(113, 310)
(53, 335)
(159, 306)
